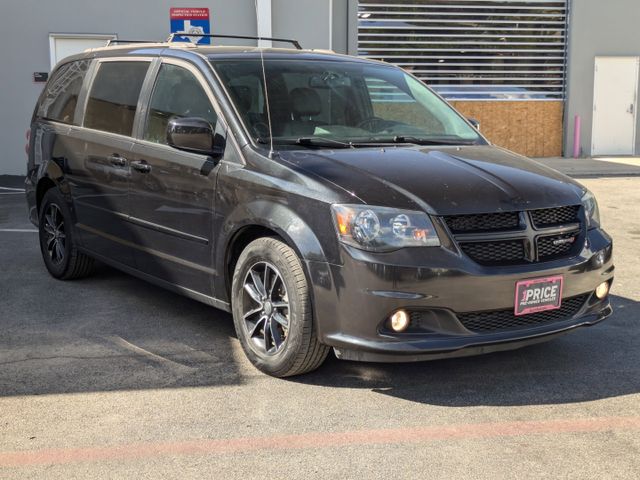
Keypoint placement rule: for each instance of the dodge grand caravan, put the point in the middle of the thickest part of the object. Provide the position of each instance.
(326, 201)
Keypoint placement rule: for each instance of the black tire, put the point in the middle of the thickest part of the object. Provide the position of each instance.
(300, 351)
(63, 261)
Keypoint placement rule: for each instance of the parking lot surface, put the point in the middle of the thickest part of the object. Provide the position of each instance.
(111, 377)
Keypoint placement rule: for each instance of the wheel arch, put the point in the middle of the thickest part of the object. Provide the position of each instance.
(51, 177)
(44, 185)
(266, 219)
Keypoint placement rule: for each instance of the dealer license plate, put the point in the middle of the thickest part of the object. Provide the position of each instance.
(538, 295)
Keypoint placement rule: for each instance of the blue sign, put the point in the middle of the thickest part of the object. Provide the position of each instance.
(194, 21)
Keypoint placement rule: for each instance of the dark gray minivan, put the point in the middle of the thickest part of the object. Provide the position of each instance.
(326, 201)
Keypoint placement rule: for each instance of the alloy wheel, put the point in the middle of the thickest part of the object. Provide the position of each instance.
(55, 237)
(265, 308)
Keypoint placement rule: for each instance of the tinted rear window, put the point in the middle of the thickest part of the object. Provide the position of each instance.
(60, 97)
(114, 96)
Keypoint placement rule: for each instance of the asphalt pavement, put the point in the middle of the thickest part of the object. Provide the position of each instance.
(111, 377)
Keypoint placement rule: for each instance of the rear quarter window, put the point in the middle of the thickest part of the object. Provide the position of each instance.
(113, 99)
(60, 97)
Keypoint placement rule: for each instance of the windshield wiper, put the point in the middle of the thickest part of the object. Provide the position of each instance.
(306, 142)
(322, 142)
(422, 141)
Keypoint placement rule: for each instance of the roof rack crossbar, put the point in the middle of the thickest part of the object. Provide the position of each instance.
(295, 43)
(116, 41)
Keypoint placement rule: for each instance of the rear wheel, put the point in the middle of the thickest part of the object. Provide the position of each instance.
(57, 244)
(272, 310)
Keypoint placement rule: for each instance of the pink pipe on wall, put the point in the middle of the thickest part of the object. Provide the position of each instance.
(576, 137)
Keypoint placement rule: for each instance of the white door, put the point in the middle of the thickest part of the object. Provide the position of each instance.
(63, 45)
(614, 106)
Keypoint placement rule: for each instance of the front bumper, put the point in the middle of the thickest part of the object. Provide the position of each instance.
(352, 301)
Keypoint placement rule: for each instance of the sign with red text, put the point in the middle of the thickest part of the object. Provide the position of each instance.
(189, 23)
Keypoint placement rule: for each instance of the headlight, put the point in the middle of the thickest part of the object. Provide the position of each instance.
(591, 210)
(382, 228)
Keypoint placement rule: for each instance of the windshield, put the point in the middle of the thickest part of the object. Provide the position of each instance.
(327, 102)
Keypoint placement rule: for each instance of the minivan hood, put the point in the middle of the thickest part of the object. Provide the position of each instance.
(442, 180)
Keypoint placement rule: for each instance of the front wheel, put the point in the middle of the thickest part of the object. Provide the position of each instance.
(272, 310)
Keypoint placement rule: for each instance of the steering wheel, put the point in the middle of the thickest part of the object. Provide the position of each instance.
(375, 124)
(261, 129)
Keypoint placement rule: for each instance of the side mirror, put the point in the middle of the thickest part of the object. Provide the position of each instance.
(194, 134)
(474, 122)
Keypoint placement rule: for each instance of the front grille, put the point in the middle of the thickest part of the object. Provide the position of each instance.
(495, 253)
(507, 238)
(548, 251)
(485, 222)
(498, 320)
(550, 217)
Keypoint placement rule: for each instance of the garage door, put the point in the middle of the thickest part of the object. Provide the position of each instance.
(472, 50)
(63, 45)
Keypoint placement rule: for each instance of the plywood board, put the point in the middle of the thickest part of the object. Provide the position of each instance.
(529, 128)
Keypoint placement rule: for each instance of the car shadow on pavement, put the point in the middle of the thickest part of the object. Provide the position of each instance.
(588, 364)
(108, 332)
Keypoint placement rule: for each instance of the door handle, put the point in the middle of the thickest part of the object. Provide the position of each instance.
(117, 160)
(631, 109)
(141, 166)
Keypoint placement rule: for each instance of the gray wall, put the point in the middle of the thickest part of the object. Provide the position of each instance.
(309, 22)
(305, 20)
(25, 26)
(596, 28)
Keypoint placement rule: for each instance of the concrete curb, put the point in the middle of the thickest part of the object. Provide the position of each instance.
(592, 168)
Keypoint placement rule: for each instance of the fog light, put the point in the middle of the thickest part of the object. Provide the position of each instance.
(400, 321)
(602, 290)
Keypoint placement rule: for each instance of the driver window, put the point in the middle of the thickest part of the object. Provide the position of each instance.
(391, 103)
(177, 93)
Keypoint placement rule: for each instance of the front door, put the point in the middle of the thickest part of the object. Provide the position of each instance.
(615, 105)
(172, 191)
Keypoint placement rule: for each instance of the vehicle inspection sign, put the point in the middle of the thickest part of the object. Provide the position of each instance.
(194, 21)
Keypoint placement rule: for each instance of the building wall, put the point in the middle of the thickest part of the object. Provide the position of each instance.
(596, 28)
(304, 20)
(25, 26)
(308, 21)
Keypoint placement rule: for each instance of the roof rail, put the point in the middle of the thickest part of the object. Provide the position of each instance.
(295, 43)
(116, 41)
